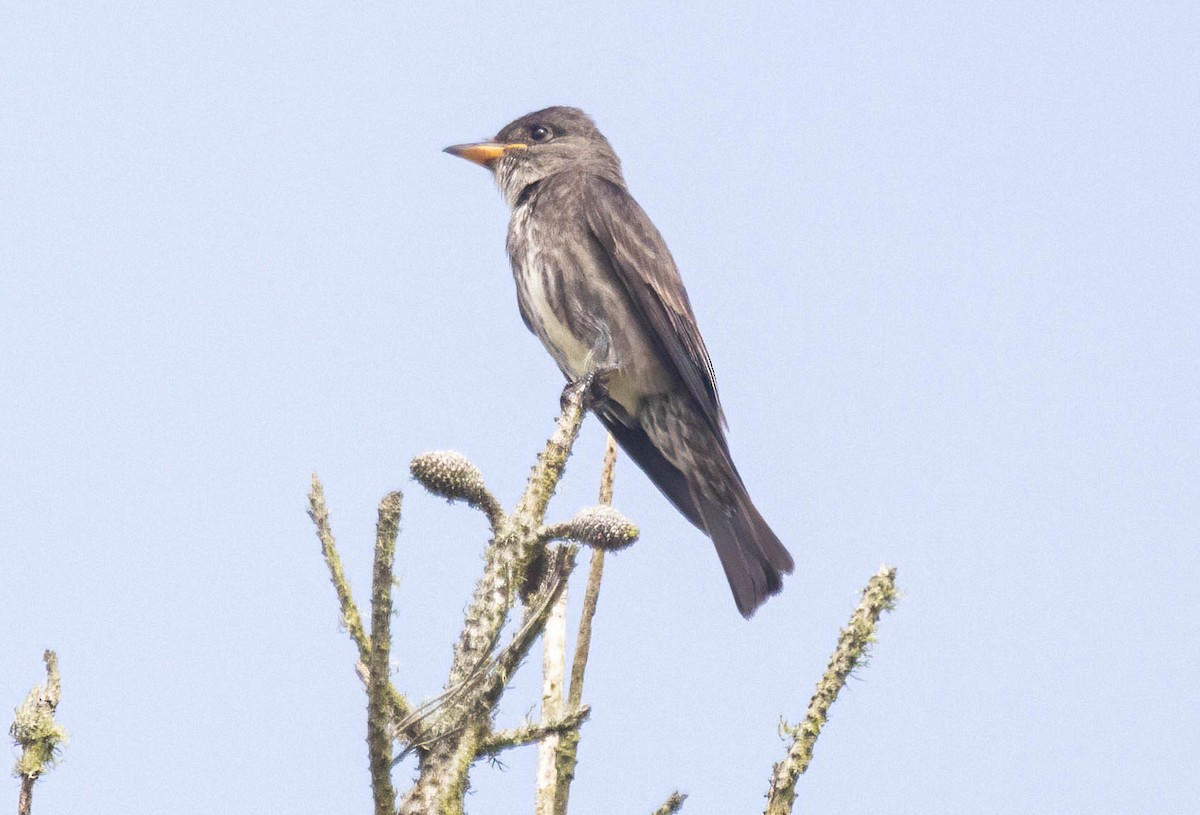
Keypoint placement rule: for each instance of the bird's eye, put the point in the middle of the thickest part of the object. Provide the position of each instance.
(540, 133)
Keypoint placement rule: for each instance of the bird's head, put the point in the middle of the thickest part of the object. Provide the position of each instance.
(542, 144)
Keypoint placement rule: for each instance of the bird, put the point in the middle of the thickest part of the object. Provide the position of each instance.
(598, 286)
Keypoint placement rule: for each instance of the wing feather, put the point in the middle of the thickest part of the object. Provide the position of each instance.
(641, 259)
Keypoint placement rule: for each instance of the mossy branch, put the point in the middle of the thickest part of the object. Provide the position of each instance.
(533, 732)
(453, 730)
(36, 733)
(673, 804)
(319, 512)
(459, 726)
(380, 713)
(853, 643)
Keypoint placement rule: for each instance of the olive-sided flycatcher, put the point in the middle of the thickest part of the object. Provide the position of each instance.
(597, 285)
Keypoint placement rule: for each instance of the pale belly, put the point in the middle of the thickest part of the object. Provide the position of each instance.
(616, 343)
(604, 332)
(573, 355)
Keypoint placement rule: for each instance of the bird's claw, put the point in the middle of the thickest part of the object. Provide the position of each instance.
(592, 388)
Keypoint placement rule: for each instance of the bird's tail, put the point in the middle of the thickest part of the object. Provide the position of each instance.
(752, 556)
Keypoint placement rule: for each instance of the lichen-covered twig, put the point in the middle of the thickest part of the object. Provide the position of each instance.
(380, 715)
(319, 512)
(36, 733)
(879, 596)
(537, 612)
(673, 804)
(441, 717)
(450, 732)
(464, 722)
(513, 549)
(533, 732)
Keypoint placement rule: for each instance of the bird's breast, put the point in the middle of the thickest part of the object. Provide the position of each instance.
(573, 300)
(548, 292)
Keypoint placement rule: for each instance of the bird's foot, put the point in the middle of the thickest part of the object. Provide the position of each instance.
(592, 387)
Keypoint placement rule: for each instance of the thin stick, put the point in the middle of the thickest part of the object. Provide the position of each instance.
(567, 753)
(591, 595)
(554, 664)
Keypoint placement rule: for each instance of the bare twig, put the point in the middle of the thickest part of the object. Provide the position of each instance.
(567, 752)
(379, 710)
(878, 596)
(591, 595)
(554, 665)
(36, 733)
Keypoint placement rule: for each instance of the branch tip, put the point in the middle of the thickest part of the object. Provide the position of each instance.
(600, 527)
(855, 639)
(35, 731)
(673, 804)
(453, 477)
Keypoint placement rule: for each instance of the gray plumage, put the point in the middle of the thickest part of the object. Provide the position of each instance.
(598, 286)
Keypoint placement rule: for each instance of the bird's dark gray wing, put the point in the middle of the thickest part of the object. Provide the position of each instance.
(640, 257)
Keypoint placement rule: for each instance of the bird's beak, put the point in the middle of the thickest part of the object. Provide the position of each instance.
(483, 153)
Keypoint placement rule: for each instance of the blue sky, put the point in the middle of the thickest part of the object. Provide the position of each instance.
(944, 258)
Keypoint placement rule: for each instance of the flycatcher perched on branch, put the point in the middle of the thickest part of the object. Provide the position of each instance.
(597, 285)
